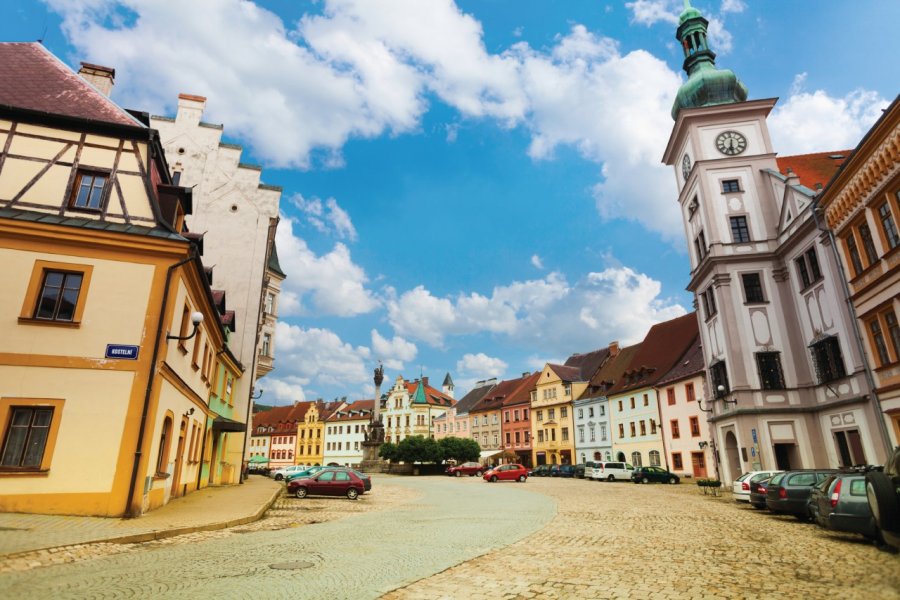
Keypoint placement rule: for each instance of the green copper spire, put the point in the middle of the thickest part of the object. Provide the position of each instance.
(706, 85)
(419, 396)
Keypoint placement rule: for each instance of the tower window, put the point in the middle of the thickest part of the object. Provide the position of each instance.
(771, 377)
(740, 233)
(719, 376)
(808, 268)
(709, 302)
(731, 185)
(753, 291)
(827, 358)
(700, 246)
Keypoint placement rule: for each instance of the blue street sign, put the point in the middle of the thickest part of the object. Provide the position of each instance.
(121, 351)
(753, 433)
(752, 451)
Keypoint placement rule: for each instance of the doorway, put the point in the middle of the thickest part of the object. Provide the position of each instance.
(179, 459)
(786, 456)
(620, 457)
(698, 465)
(732, 457)
(849, 447)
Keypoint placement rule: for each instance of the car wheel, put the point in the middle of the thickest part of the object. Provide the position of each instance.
(611, 478)
(458, 474)
(300, 492)
(522, 478)
(353, 493)
(644, 480)
(493, 479)
(883, 501)
(279, 477)
(479, 473)
(672, 480)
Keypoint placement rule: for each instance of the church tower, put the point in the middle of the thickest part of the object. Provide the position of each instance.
(785, 376)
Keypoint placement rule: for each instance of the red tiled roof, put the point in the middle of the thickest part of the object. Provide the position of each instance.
(522, 395)
(610, 373)
(32, 78)
(664, 344)
(813, 168)
(472, 398)
(566, 373)
(279, 416)
(687, 366)
(588, 363)
(496, 398)
(367, 406)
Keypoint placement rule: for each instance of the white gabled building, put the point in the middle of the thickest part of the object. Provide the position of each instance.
(345, 431)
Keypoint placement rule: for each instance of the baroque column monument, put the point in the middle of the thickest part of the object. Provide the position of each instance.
(375, 433)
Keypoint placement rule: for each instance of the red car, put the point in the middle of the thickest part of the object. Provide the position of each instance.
(328, 482)
(507, 473)
(469, 468)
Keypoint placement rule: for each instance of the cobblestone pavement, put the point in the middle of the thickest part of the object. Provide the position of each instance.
(620, 540)
(407, 529)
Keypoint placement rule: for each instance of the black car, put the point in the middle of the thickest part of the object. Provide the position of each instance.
(541, 471)
(883, 493)
(579, 470)
(564, 471)
(758, 490)
(789, 492)
(657, 474)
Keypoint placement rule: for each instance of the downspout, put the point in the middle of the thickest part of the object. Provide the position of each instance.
(140, 441)
(662, 430)
(885, 436)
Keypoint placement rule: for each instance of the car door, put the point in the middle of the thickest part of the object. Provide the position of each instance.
(322, 484)
(342, 483)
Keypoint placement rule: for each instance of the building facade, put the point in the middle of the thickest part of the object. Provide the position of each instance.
(345, 431)
(862, 207)
(516, 424)
(455, 422)
(410, 407)
(787, 379)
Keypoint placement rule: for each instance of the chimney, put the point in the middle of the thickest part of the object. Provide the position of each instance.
(525, 374)
(102, 78)
(614, 348)
(425, 381)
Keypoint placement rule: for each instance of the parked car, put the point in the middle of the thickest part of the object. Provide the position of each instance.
(307, 472)
(468, 468)
(654, 474)
(512, 472)
(285, 471)
(580, 469)
(839, 503)
(883, 493)
(564, 471)
(540, 471)
(758, 490)
(740, 489)
(328, 482)
(789, 492)
(612, 471)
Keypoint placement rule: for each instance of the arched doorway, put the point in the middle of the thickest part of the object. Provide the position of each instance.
(620, 457)
(179, 460)
(732, 457)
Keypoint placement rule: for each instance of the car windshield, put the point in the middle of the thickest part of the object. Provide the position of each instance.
(759, 477)
(776, 479)
(744, 477)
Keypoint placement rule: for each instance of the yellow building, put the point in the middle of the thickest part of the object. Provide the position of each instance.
(101, 411)
(552, 439)
(311, 431)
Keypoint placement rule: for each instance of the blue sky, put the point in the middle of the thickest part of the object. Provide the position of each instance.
(470, 187)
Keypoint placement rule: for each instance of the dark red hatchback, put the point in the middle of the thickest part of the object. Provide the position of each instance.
(328, 482)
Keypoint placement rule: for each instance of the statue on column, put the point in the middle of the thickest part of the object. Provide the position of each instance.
(375, 431)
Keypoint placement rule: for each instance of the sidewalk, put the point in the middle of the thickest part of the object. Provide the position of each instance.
(208, 509)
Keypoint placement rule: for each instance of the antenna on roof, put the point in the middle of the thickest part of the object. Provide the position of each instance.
(44, 34)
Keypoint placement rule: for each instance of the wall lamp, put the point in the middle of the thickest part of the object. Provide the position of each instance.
(196, 319)
(189, 412)
(721, 390)
(257, 396)
(704, 445)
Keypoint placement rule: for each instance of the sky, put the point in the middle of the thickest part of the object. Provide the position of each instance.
(470, 187)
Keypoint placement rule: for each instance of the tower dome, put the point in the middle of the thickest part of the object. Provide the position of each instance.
(706, 85)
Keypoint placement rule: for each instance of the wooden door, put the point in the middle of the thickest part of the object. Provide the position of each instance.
(698, 465)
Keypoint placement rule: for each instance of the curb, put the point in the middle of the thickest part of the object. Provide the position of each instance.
(162, 533)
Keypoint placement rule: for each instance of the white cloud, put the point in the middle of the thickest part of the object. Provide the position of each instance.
(650, 12)
(393, 353)
(330, 284)
(733, 6)
(798, 125)
(720, 39)
(547, 312)
(310, 359)
(328, 218)
(478, 367)
(537, 262)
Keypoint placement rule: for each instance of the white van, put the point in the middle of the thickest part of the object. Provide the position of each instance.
(611, 471)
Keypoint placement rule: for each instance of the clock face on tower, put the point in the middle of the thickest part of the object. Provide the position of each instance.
(731, 143)
(686, 166)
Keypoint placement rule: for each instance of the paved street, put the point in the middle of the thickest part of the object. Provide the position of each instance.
(430, 538)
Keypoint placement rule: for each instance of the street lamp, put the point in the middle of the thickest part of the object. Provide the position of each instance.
(721, 389)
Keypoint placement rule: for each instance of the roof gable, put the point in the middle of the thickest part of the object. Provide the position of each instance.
(611, 372)
(588, 363)
(663, 345)
(472, 398)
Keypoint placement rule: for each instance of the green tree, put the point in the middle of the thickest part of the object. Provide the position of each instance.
(417, 448)
(388, 452)
(460, 449)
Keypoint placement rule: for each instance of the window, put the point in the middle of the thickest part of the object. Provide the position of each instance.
(87, 193)
(59, 296)
(709, 302)
(771, 376)
(593, 435)
(620, 406)
(730, 185)
(602, 432)
(621, 430)
(484, 439)
(700, 246)
(676, 433)
(689, 392)
(540, 436)
(506, 416)
(162, 457)
(525, 414)
(527, 437)
(827, 359)
(632, 401)
(643, 427)
(646, 400)
(563, 412)
(507, 438)
(695, 427)
(865, 234)
(270, 303)
(740, 233)
(540, 415)
(495, 440)
(633, 430)
(602, 410)
(719, 376)
(654, 458)
(580, 413)
(565, 434)
(26, 438)
(56, 293)
(652, 427)
(552, 435)
(551, 414)
(888, 226)
(670, 392)
(753, 291)
(890, 318)
(876, 326)
(636, 459)
(267, 345)
(590, 412)
(676, 461)
(581, 434)
(808, 268)
(853, 254)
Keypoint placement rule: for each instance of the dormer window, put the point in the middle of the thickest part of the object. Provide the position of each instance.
(87, 194)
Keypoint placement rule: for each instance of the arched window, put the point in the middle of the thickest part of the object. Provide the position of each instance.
(636, 459)
(654, 458)
(583, 457)
(608, 455)
(599, 456)
(162, 457)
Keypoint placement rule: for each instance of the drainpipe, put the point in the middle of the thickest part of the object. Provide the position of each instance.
(662, 431)
(885, 436)
(140, 442)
